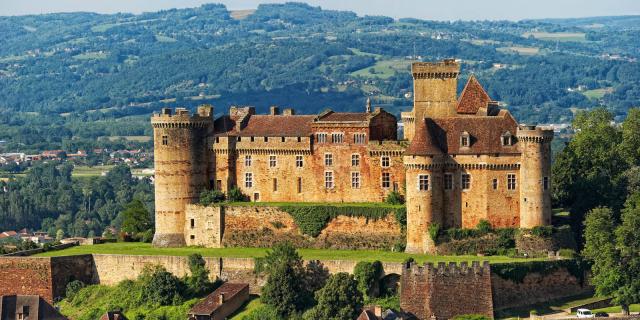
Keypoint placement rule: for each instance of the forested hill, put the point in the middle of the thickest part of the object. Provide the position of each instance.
(71, 80)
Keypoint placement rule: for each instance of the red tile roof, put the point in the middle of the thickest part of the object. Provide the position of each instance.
(266, 126)
(212, 301)
(444, 134)
(472, 98)
(345, 116)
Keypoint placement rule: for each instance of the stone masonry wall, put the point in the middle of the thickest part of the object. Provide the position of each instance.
(535, 288)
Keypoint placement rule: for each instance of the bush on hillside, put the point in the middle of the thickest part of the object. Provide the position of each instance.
(208, 197)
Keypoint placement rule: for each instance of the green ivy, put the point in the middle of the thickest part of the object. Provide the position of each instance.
(312, 219)
(517, 271)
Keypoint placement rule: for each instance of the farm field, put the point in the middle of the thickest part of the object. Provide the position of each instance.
(557, 36)
(383, 69)
(134, 248)
(597, 93)
(525, 51)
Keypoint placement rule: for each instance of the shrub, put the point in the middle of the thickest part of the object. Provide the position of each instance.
(408, 261)
(198, 282)
(484, 227)
(367, 275)
(236, 195)
(338, 299)
(542, 231)
(160, 287)
(72, 288)
(401, 217)
(208, 197)
(567, 253)
(434, 231)
(395, 198)
(147, 236)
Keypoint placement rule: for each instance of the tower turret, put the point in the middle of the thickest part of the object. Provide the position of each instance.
(535, 175)
(181, 154)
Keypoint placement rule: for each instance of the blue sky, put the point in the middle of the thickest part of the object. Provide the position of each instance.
(425, 9)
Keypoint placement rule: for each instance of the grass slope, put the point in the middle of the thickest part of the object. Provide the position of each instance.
(132, 248)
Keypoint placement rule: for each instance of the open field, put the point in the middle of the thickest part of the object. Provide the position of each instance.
(383, 69)
(618, 309)
(525, 51)
(82, 171)
(131, 138)
(241, 14)
(162, 38)
(91, 56)
(597, 93)
(134, 248)
(557, 36)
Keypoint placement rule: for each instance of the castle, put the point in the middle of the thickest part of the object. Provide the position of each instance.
(463, 159)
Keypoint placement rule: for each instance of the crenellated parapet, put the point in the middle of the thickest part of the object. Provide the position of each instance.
(447, 269)
(183, 118)
(531, 133)
(435, 70)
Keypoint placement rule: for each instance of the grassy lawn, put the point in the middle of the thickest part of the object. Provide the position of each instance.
(253, 303)
(91, 56)
(133, 248)
(597, 93)
(617, 309)
(553, 306)
(557, 36)
(383, 69)
(525, 51)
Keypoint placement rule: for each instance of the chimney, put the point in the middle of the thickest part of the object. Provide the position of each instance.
(288, 112)
(368, 105)
(221, 298)
(274, 110)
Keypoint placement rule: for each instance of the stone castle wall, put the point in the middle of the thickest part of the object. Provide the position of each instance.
(263, 226)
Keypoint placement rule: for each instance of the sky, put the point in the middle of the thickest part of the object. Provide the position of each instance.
(422, 9)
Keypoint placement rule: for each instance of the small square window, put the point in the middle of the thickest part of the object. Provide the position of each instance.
(385, 161)
(273, 162)
(355, 160)
(299, 161)
(465, 181)
(423, 182)
(165, 140)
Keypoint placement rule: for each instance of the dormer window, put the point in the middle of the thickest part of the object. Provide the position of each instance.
(507, 139)
(465, 139)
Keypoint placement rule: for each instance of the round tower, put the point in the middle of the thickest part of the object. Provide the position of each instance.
(424, 178)
(535, 176)
(181, 158)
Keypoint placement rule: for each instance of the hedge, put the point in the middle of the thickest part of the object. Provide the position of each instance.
(312, 219)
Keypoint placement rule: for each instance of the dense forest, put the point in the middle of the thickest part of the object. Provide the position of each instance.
(74, 80)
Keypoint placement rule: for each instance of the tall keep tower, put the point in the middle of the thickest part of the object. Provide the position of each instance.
(181, 153)
(535, 176)
(434, 92)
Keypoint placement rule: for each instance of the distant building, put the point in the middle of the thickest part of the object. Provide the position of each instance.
(221, 303)
(27, 308)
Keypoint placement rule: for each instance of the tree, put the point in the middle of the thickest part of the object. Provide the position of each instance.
(198, 282)
(614, 249)
(136, 218)
(339, 299)
(368, 275)
(160, 287)
(630, 146)
(59, 235)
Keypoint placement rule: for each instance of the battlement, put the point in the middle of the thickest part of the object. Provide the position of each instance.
(183, 118)
(534, 133)
(447, 68)
(448, 269)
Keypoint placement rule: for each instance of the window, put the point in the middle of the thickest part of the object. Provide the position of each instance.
(355, 160)
(299, 161)
(545, 183)
(266, 139)
(165, 140)
(282, 139)
(384, 161)
(248, 180)
(275, 184)
(423, 182)
(218, 184)
(355, 180)
(193, 223)
(239, 139)
(465, 139)
(217, 139)
(337, 137)
(192, 237)
(465, 181)
(252, 139)
(511, 181)
(386, 180)
(328, 179)
(321, 137)
(507, 139)
(448, 181)
(247, 161)
(299, 139)
(272, 161)
(299, 184)
(494, 184)
(359, 138)
(328, 159)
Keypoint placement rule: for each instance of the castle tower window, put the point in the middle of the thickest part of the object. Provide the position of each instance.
(299, 139)
(355, 160)
(193, 223)
(275, 184)
(448, 181)
(247, 161)
(494, 184)
(299, 184)
(266, 139)
(465, 181)
(511, 181)
(545, 183)
(299, 161)
(273, 162)
(355, 180)
(165, 140)
(423, 182)
(465, 139)
(507, 139)
(386, 180)
(328, 179)
(282, 139)
(248, 180)
(384, 161)
(239, 139)
(252, 139)
(337, 137)
(217, 139)
(328, 159)
(321, 137)
(218, 184)
(359, 138)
